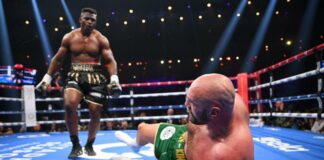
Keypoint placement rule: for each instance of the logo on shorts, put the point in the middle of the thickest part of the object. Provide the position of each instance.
(167, 132)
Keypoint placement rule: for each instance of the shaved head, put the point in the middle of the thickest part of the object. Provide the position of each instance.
(211, 90)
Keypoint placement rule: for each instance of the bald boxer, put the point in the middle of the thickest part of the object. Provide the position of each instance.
(218, 126)
(86, 80)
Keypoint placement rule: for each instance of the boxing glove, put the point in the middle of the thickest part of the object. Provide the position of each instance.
(43, 85)
(114, 88)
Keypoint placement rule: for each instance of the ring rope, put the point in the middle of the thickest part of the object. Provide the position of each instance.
(289, 60)
(114, 109)
(101, 120)
(288, 99)
(292, 115)
(288, 79)
(10, 99)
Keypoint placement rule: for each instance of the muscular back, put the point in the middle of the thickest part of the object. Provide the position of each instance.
(84, 49)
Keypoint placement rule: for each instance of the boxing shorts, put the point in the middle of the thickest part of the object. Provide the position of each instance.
(89, 79)
(169, 142)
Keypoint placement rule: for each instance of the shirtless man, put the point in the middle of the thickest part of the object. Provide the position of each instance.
(86, 79)
(218, 126)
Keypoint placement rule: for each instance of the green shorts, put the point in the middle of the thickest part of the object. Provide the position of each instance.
(169, 142)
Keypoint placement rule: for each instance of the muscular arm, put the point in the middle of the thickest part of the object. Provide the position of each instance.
(108, 56)
(59, 56)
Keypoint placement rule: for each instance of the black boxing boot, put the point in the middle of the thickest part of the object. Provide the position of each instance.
(76, 148)
(88, 149)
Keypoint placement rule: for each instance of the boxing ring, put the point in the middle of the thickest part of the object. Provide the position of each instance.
(271, 143)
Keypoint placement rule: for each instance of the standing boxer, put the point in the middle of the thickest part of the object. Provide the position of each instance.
(86, 79)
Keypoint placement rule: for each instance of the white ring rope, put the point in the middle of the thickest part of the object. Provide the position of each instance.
(166, 94)
(110, 109)
(148, 95)
(292, 115)
(101, 120)
(10, 99)
(288, 79)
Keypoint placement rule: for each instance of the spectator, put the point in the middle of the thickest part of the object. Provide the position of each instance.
(318, 125)
(170, 112)
(109, 125)
(124, 125)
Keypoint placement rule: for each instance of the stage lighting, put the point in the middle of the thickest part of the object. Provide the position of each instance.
(56, 29)
(257, 13)
(26, 22)
(143, 21)
(277, 12)
(131, 11)
(162, 61)
(107, 24)
(288, 43)
(162, 19)
(238, 14)
(212, 59)
(125, 23)
(179, 61)
(200, 17)
(208, 5)
(219, 16)
(169, 8)
(61, 18)
(181, 18)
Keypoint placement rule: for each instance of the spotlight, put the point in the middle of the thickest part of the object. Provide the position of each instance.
(61, 18)
(249, 2)
(237, 57)
(195, 60)
(125, 23)
(129, 64)
(178, 61)
(288, 1)
(200, 17)
(56, 29)
(208, 5)
(238, 14)
(143, 21)
(107, 24)
(281, 39)
(169, 8)
(288, 43)
(228, 58)
(219, 16)
(131, 11)
(26, 22)
(220, 58)
(257, 13)
(72, 27)
(212, 59)
(181, 18)
(162, 19)
(277, 12)
(169, 61)
(162, 61)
